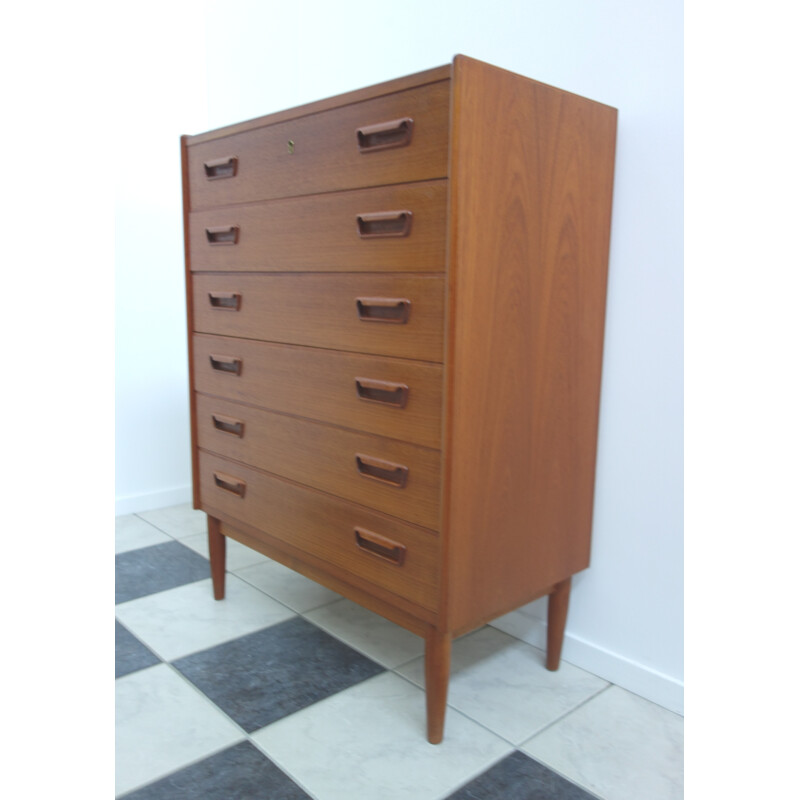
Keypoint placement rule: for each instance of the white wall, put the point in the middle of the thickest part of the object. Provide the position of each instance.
(626, 619)
(162, 80)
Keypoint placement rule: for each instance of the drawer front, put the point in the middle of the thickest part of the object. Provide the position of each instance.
(323, 152)
(391, 397)
(397, 478)
(394, 555)
(399, 228)
(391, 315)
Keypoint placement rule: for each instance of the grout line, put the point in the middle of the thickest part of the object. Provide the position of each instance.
(568, 713)
(293, 778)
(457, 787)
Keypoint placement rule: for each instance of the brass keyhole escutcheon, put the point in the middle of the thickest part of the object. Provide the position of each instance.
(290, 146)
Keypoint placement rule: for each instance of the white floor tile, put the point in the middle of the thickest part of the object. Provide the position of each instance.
(617, 745)
(371, 634)
(132, 533)
(162, 724)
(502, 683)
(369, 742)
(287, 586)
(177, 521)
(237, 555)
(186, 619)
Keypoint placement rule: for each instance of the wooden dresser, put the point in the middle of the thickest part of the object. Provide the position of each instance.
(396, 308)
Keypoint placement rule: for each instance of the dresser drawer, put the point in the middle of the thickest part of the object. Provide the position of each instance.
(391, 397)
(399, 228)
(391, 315)
(324, 152)
(397, 478)
(394, 555)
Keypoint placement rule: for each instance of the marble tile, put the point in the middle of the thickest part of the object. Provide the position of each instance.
(186, 619)
(131, 533)
(287, 586)
(239, 773)
(163, 724)
(618, 745)
(157, 568)
(262, 677)
(177, 521)
(371, 634)
(369, 742)
(502, 683)
(237, 555)
(518, 777)
(131, 655)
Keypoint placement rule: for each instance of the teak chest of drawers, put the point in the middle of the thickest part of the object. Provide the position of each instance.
(396, 310)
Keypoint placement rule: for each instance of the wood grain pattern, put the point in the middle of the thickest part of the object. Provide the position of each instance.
(320, 233)
(438, 646)
(321, 311)
(324, 457)
(435, 75)
(532, 171)
(557, 608)
(320, 384)
(324, 154)
(216, 555)
(324, 526)
(403, 612)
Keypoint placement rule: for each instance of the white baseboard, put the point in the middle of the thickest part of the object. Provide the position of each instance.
(637, 678)
(152, 500)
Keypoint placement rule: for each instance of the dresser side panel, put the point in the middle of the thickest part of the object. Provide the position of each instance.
(530, 204)
(189, 318)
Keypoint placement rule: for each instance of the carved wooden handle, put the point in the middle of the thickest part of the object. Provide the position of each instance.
(395, 133)
(228, 425)
(392, 394)
(384, 471)
(221, 168)
(383, 309)
(226, 364)
(224, 234)
(384, 224)
(230, 484)
(225, 301)
(380, 546)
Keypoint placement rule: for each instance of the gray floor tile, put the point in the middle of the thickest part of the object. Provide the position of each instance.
(518, 777)
(260, 678)
(131, 654)
(238, 773)
(156, 568)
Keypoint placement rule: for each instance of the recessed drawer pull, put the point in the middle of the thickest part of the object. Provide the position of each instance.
(380, 546)
(221, 167)
(226, 364)
(396, 133)
(228, 425)
(225, 234)
(383, 309)
(384, 224)
(229, 484)
(225, 301)
(384, 471)
(391, 394)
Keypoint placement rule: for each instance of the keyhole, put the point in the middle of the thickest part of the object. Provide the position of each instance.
(290, 145)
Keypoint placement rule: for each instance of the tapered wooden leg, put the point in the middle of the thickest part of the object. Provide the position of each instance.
(216, 554)
(557, 606)
(437, 677)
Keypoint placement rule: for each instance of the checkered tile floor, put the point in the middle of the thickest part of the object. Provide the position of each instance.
(285, 690)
